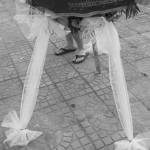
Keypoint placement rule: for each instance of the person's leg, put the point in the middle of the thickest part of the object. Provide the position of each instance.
(70, 42)
(69, 46)
(81, 52)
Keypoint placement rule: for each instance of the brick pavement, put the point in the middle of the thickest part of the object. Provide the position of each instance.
(75, 107)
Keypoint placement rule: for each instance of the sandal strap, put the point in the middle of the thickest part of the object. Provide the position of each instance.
(80, 56)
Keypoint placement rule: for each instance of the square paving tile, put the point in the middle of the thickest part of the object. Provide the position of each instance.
(145, 49)
(144, 9)
(49, 96)
(21, 68)
(13, 103)
(133, 54)
(7, 73)
(20, 56)
(54, 61)
(98, 81)
(12, 36)
(137, 40)
(22, 46)
(61, 44)
(143, 66)
(141, 117)
(62, 73)
(10, 88)
(45, 81)
(88, 66)
(131, 72)
(143, 18)
(3, 49)
(5, 17)
(51, 48)
(91, 109)
(124, 45)
(73, 88)
(125, 31)
(141, 27)
(5, 60)
(140, 88)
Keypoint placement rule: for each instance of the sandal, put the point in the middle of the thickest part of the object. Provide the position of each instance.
(62, 51)
(80, 56)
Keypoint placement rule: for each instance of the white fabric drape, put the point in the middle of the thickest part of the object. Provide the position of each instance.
(107, 41)
(36, 26)
(18, 134)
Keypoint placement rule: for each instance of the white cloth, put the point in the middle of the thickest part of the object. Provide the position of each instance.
(107, 40)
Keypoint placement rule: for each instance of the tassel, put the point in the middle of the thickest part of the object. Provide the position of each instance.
(131, 11)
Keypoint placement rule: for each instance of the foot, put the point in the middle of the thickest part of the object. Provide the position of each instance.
(64, 50)
(80, 57)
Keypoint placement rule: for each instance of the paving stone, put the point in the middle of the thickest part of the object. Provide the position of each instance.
(86, 67)
(75, 144)
(140, 88)
(62, 73)
(84, 140)
(7, 73)
(99, 144)
(54, 61)
(141, 27)
(89, 130)
(137, 40)
(102, 133)
(125, 45)
(20, 56)
(89, 147)
(141, 116)
(10, 88)
(116, 137)
(80, 134)
(5, 60)
(60, 147)
(45, 80)
(21, 68)
(133, 54)
(73, 88)
(67, 139)
(94, 136)
(22, 47)
(69, 148)
(143, 66)
(76, 127)
(98, 82)
(85, 124)
(125, 31)
(131, 72)
(147, 34)
(48, 94)
(64, 144)
(80, 148)
(107, 140)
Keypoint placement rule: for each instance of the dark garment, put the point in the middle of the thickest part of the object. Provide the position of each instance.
(73, 22)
